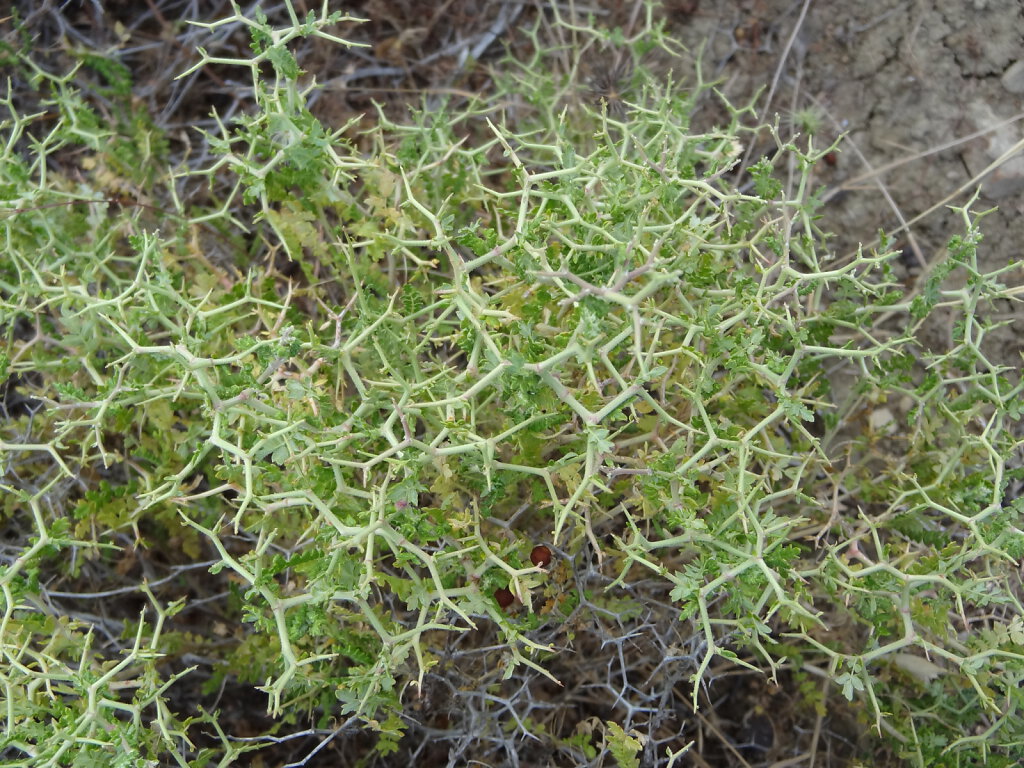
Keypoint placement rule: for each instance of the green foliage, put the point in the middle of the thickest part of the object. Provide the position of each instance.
(573, 316)
(624, 748)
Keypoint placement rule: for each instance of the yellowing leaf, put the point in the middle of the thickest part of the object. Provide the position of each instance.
(624, 748)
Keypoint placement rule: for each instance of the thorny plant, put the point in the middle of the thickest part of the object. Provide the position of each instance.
(566, 330)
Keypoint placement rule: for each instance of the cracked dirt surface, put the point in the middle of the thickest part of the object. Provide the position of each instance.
(930, 94)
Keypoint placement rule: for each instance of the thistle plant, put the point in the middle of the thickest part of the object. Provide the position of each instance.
(546, 327)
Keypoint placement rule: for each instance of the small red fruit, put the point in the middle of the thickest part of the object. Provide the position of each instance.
(504, 597)
(540, 555)
(830, 158)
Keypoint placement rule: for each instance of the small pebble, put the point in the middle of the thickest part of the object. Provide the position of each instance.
(1013, 77)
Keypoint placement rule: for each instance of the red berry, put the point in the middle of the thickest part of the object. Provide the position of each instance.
(540, 555)
(830, 158)
(504, 597)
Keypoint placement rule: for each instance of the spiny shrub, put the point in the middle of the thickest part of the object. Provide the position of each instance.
(531, 371)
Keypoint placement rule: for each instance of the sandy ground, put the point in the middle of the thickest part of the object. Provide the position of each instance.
(930, 96)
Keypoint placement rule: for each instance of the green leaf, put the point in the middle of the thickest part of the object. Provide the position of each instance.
(624, 748)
